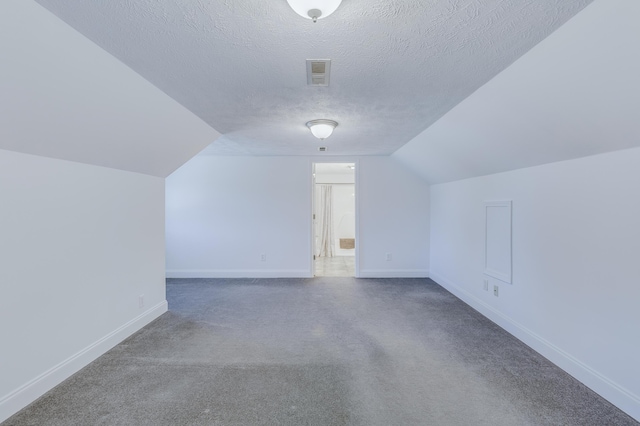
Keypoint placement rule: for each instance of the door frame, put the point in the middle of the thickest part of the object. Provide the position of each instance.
(356, 176)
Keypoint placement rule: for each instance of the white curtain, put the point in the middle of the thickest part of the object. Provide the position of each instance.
(326, 221)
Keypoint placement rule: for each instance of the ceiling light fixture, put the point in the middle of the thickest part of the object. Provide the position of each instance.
(314, 9)
(322, 129)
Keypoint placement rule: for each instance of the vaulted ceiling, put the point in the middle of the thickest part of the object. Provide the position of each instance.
(63, 97)
(575, 94)
(239, 65)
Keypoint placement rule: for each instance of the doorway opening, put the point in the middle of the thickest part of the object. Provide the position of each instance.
(334, 219)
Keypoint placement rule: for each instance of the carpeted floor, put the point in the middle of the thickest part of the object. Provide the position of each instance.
(323, 351)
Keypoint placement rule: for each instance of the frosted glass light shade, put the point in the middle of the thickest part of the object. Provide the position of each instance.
(314, 9)
(322, 129)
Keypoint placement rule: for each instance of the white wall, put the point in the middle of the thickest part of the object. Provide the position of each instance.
(576, 245)
(78, 245)
(393, 218)
(224, 212)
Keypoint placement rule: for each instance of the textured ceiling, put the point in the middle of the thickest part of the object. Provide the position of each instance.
(397, 65)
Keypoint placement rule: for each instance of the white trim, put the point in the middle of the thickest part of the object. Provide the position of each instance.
(312, 202)
(619, 396)
(238, 273)
(18, 399)
(394, 273)
(356, 177)
(505, 276)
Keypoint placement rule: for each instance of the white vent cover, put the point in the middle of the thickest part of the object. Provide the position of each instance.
(318, 72)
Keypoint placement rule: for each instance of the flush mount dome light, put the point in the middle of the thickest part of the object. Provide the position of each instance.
(322, 129)
(314, 9)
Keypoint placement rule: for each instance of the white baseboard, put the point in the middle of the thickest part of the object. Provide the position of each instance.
(394, 273)
(34, 389)
(238, 273)
(288, 273)
(608, 389)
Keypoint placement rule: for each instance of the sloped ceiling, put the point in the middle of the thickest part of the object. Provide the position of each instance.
(575, 94)
(239, 65)
(63, 97)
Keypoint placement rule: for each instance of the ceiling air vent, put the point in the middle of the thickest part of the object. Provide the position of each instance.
(318, 72)
(322, 148)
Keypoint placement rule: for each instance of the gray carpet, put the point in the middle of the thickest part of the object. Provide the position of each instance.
(324, 351)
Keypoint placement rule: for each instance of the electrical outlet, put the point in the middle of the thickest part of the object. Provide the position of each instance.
(495, 290)
(141, 301)
(263, 257)
(486, 285)
(388, 257)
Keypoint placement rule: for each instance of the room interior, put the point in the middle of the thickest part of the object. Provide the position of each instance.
(123, 162)
(334, 219)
